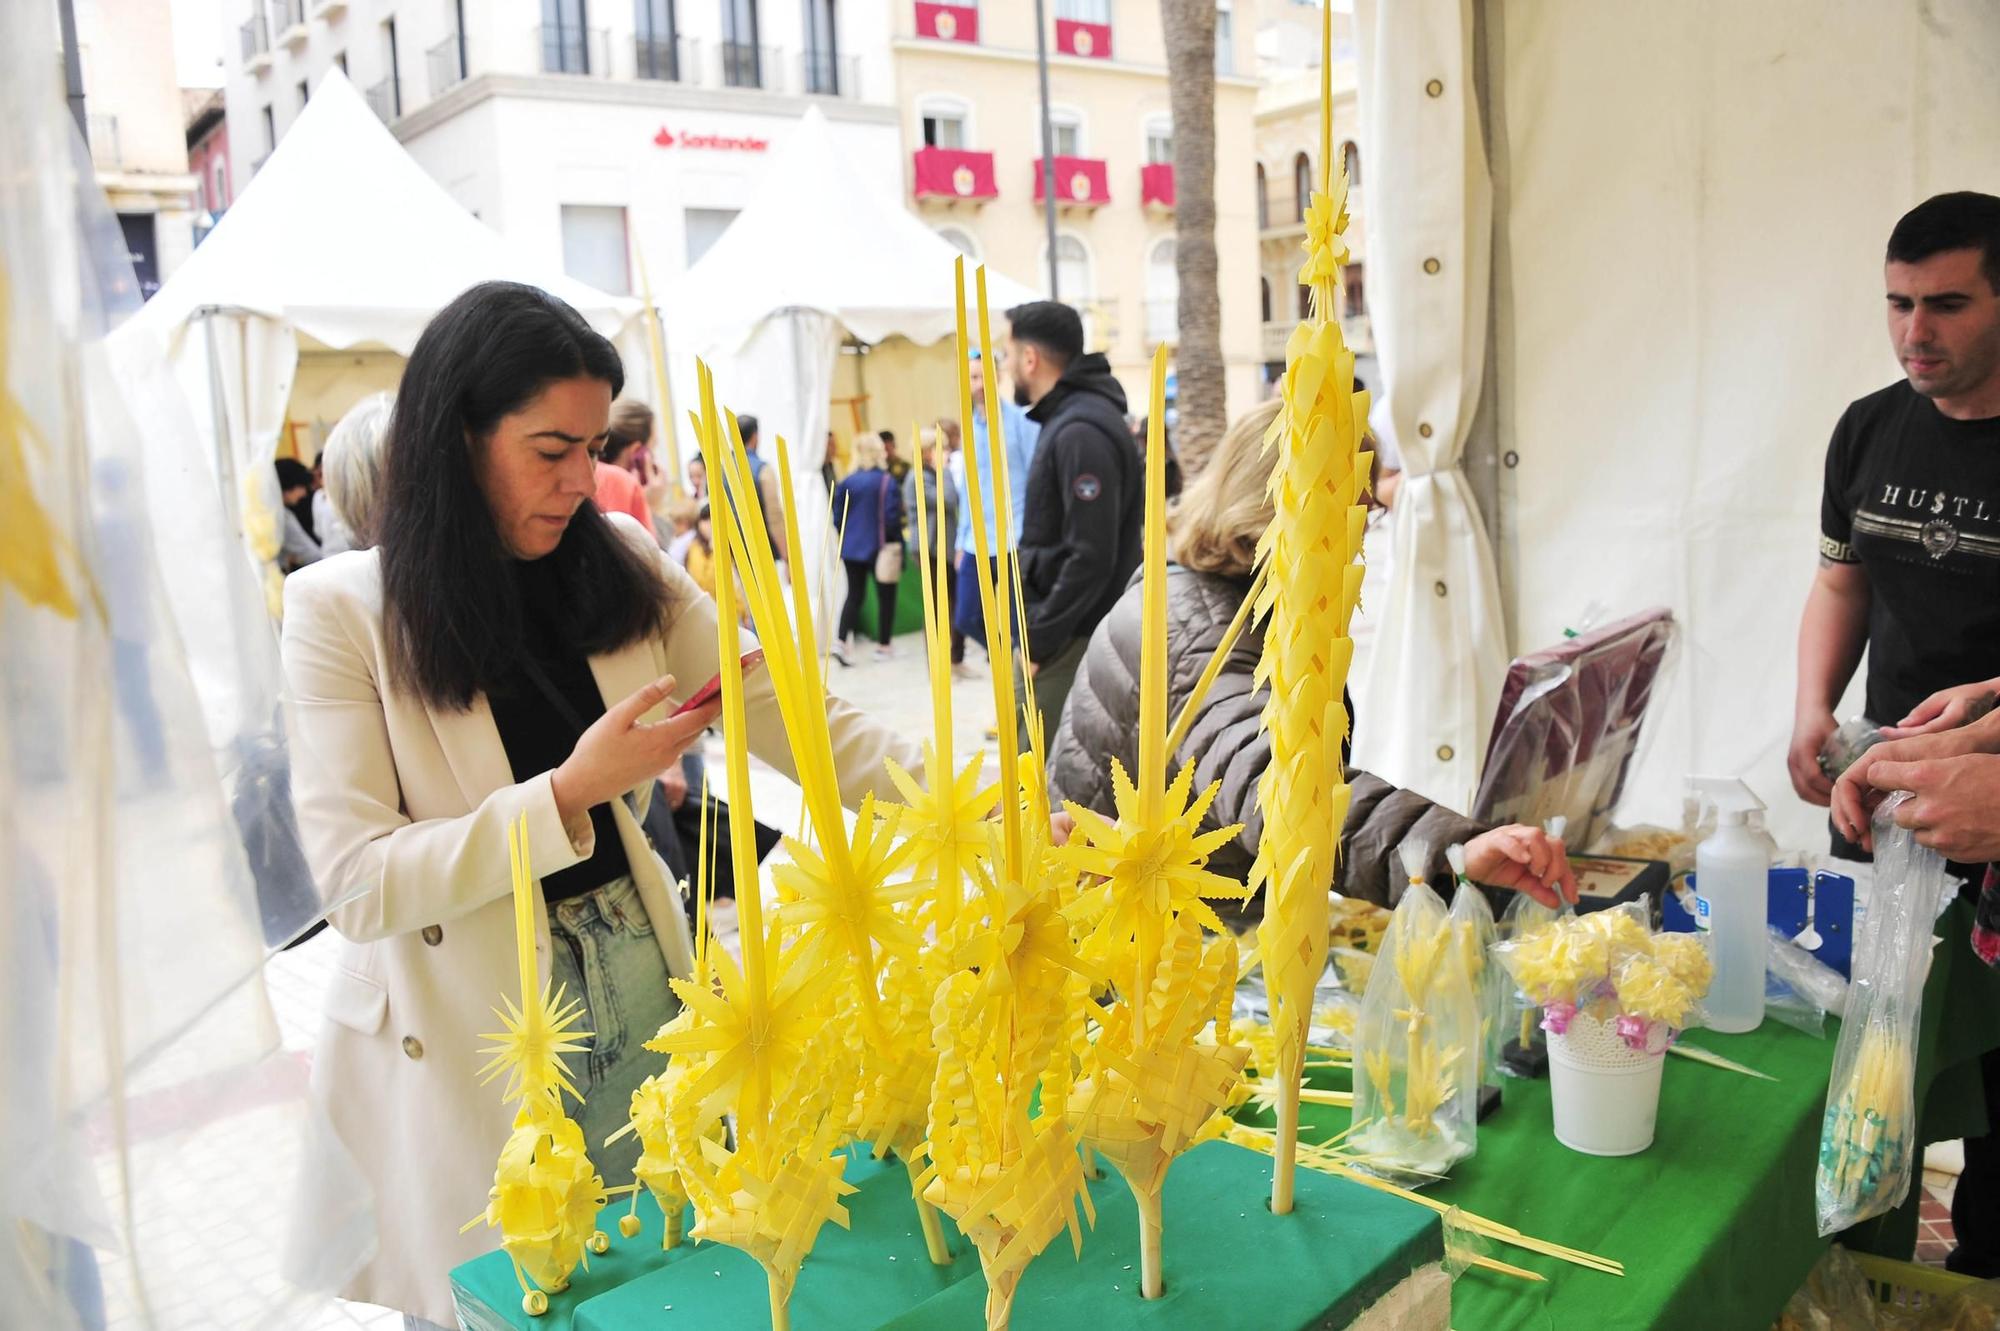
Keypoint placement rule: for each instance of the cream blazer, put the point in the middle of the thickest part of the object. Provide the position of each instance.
(403, 812)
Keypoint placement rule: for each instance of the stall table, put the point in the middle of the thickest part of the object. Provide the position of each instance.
(1714, 1223)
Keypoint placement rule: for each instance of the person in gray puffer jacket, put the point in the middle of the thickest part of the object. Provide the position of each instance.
(1215, 531)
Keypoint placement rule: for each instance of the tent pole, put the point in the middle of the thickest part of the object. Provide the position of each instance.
(225, 455)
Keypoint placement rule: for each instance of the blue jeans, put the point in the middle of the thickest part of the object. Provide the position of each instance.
(602, 950)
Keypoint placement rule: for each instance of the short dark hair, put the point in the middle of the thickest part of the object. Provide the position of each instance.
(746, 425)
(1051, 326)
(292, 473)
(451, 611)
(1962, 220)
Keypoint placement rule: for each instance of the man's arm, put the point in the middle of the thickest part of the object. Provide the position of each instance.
(1832, 632)
(1093, 515)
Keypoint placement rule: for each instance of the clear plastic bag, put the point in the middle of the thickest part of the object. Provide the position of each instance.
(1524, 916)
(1799, 988)
(1416, 1103)
(1868, 1137)
(1475, 933)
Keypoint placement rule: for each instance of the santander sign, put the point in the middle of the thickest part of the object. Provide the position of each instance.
(666, 138)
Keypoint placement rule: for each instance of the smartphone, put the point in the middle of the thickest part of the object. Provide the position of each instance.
(750, 661)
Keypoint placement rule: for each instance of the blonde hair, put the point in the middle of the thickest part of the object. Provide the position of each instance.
(682, 512)
(1223, 512)
(868, 451)
(352, 464)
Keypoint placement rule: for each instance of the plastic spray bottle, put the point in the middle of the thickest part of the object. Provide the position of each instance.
(1732, 899)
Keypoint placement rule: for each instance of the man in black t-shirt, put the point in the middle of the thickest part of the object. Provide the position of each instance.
(1910, 570)
(1910, 514)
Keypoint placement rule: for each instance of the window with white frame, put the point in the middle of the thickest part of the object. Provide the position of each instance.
(1084, 11)
(594, 247)
(1225, 38)
(1159, 141)
(1066, 133)
(946, 123)
(961, 241)
(1073, 276)
(704, 227)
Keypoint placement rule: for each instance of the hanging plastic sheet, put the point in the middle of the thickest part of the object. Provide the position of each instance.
(151, 1122)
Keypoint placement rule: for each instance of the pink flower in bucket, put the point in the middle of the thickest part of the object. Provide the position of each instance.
(1557, 1017)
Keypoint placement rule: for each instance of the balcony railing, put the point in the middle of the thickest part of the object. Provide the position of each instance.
(567, 50)
(104, 150)
(744, 64)
(385, 100)
(658, 58)
(829, 75)
(256, 42)
(288, 17)
(446, 61)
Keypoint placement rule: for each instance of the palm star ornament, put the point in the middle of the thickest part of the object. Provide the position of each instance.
(546, 1194)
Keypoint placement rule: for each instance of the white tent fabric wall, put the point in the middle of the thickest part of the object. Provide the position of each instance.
(1426, 701)
(1698, 199)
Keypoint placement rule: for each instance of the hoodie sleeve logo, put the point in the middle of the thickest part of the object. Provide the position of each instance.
(1087, 487)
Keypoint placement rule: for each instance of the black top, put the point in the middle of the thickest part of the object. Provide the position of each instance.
(1083, 525)
(538, 735)
(1913, 496)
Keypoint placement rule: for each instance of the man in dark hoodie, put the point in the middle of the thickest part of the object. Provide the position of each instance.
(1082, 527)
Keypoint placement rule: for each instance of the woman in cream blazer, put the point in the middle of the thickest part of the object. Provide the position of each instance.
(403, 807)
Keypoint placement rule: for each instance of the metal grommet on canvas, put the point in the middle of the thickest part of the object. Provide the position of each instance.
(413, 1046)
(1446, 753)
(1435, 88)
(1511, 458)
(1432, 266)
(433, 934)
(1424, 429)
(1438, 587)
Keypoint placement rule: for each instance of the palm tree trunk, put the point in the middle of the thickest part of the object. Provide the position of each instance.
(1190, 35)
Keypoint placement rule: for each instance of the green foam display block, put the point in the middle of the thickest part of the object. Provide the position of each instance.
(1228, 1262)
(858, 1278)
(488, 1297)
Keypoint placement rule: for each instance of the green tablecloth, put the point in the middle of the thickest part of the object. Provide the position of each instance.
(1715, 1223)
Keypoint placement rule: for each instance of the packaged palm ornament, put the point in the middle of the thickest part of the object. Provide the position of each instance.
(1613, 996)
(1523, 1049)
(1868, 1138)
(1417, 1041)
(1475, 934)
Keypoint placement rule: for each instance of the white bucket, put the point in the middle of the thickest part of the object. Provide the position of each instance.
(1606, 1094)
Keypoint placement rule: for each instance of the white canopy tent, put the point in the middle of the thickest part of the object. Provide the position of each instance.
(1689, 205)
(811, 260)
(340, 241)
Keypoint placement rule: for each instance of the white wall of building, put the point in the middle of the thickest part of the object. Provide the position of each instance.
(516, 160)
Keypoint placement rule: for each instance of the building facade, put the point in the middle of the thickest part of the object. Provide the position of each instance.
(1288, 169)
(208, 157)
(968, 93)
(132, 101)
(587, 131)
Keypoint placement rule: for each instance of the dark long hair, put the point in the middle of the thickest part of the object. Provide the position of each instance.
(450, 603)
